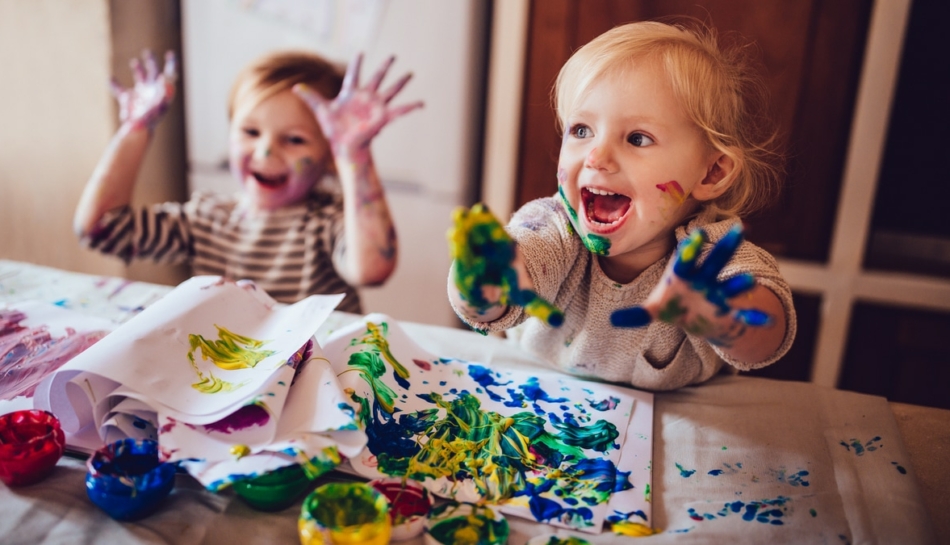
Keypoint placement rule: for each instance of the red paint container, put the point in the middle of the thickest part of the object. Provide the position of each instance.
(31, 442)
(409, 505)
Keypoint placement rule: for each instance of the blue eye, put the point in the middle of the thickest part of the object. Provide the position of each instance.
(297, 140)
(252, 132)
(581, 131)
(640, 140)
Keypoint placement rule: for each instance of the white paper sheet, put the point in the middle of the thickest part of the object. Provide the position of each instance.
(207, 371)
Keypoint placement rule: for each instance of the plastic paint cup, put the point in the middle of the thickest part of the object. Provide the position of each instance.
(466, 523)
(31, 442)
(127, 480)
(345, 514)
(409, 505)
(275, 490)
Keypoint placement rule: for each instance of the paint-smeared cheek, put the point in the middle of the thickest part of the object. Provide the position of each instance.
(304, 166)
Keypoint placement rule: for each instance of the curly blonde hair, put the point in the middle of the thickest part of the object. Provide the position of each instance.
(718, 87)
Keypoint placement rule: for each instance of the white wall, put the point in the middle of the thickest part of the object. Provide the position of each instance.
(427, 160)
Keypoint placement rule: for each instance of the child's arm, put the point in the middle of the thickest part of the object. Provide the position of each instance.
(487, 271)
(140, 109)
(747, 321)
(350, 122)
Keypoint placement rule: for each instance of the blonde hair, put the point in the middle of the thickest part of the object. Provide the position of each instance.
(277, 72)
(717, 87)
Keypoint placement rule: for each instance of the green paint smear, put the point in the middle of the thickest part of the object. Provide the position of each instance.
(230, 352)
(596, 244)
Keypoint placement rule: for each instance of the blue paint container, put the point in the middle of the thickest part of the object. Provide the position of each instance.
(127, 480)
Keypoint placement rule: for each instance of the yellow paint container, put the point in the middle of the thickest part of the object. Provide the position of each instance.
(345, 514)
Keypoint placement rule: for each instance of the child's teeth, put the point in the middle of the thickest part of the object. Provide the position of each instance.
(600, 191)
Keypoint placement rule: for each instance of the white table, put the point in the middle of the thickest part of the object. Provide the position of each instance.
(732, 441)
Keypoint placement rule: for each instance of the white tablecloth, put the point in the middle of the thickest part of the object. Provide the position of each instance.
(737, 459)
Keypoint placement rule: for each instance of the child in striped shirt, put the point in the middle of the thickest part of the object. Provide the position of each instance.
(311, 216)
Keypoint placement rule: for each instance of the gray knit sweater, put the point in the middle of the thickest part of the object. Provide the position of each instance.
(659, 356)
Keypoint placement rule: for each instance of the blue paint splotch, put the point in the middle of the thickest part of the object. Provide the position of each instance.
(608, 404)
(794, 479)
(855, 445)
(727, 469)
(764, 511)
(685, 473)
(900, 468)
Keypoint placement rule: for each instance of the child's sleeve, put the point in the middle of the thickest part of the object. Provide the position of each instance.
(159, 231)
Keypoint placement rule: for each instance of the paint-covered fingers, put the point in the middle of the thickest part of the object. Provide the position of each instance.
(721, 253)
(395, 113)
(314, 100)
(687, 254)
(381, 73)
(631, 317)
(351, 79)
(170, 71)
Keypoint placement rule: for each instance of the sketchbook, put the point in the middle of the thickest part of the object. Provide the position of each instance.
(542, 445)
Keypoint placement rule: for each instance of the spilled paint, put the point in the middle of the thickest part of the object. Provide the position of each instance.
(771, 511)
(900, 469)
(859, 448)
(685, 473)
(30, 354)
(254, 414)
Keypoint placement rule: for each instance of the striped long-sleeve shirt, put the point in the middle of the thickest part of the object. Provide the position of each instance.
(287, 252)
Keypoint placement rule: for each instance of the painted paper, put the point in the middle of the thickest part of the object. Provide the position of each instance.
(541, 444)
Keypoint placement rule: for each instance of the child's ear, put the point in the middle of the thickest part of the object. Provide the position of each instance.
(720, 175)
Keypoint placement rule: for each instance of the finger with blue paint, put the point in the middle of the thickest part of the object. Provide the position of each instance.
(691, 296)
(483, 268)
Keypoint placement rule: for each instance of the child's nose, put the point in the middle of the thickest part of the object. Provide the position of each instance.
(263, 148)
(600, 158)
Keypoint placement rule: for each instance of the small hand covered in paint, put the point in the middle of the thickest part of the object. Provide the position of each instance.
(357, 114)
(690, 296)
(483, 254)
(144, 104)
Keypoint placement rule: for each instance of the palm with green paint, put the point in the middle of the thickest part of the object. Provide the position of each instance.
(484, 255)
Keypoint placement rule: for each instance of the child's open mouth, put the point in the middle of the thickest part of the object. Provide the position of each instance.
(605, 210)
(270, 181)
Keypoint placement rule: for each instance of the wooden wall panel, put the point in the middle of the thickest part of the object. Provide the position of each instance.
(811, 53)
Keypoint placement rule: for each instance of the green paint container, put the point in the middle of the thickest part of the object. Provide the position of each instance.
(275, 490)
(466, 524)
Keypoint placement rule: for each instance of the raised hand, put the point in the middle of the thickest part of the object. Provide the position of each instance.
(690, 296)
(144, 104)
(484, 275)
(357, 114)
